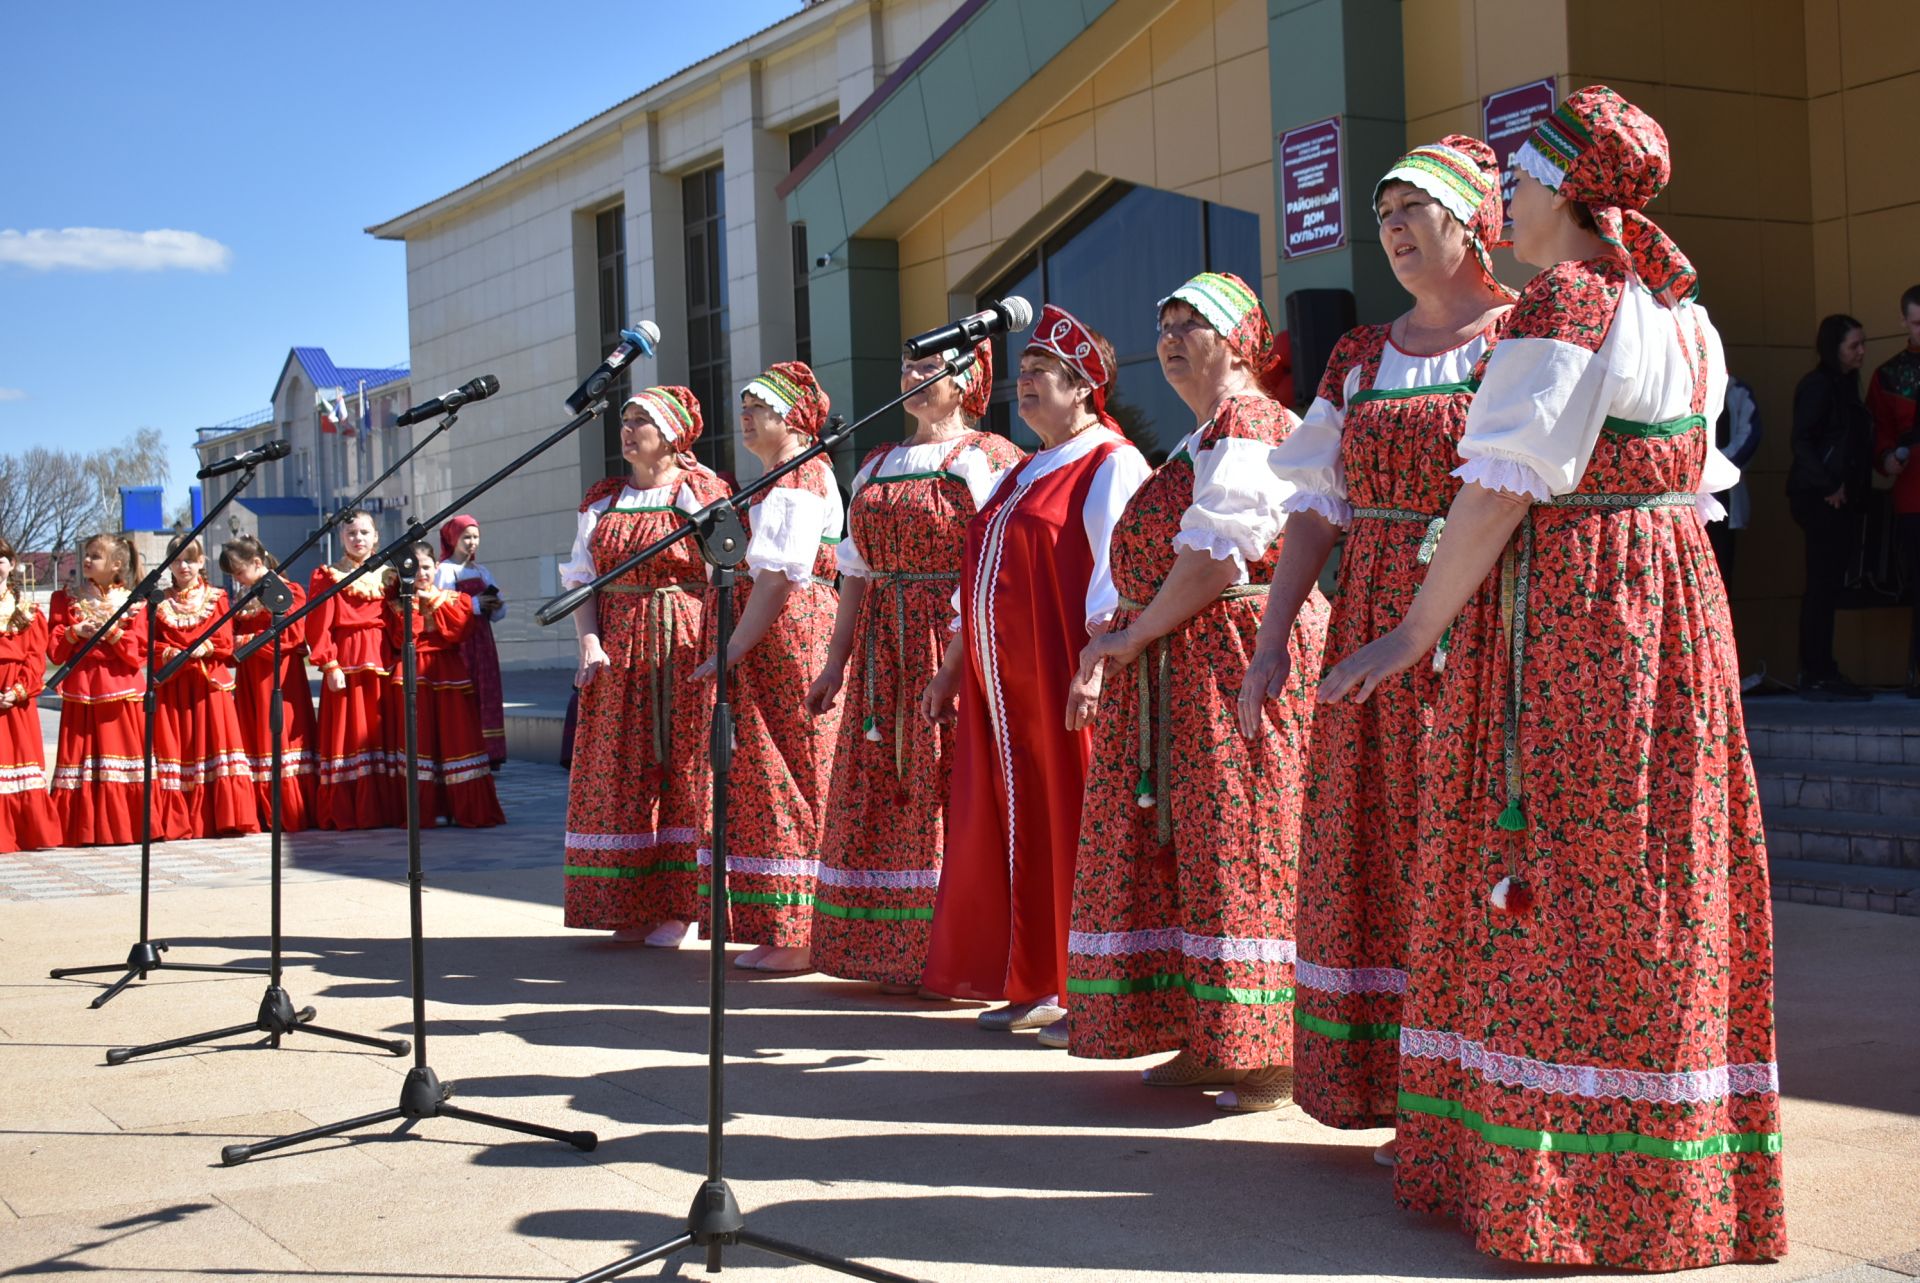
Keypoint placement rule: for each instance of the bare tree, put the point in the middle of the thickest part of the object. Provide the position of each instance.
(49, 499)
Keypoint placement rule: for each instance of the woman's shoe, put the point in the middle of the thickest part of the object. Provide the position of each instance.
(1188, 1070)
(1260, 1091)
(671, 934)
(630, 935)
(750, 960)
(1053, 1035)
(789, 960)
(1388, 1155)
(1016, 1016)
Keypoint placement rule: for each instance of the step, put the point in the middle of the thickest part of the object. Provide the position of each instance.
(1847, 886)
(1876, 788)
(1843, 837)
(1833, 742)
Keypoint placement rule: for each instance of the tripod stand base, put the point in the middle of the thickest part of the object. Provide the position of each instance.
(716, 1223)
(276, 1019)
(145, 957)
(422, 1095)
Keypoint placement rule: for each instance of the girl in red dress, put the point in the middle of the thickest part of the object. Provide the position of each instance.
(97, 762)
(1034, 586)
(246, 560)
(783, 759)
(455, 781)
(26, 814)
(347, 633)
(460, 568)
(203, 785)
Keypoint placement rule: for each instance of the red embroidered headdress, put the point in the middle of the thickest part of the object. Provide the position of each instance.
(1060, 334)
(675, 411)
(1231, 307)
(795, 395)
(1463, 174)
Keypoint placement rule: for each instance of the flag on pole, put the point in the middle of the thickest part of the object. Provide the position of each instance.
(340, 411)
(366, 416)
(322, 402)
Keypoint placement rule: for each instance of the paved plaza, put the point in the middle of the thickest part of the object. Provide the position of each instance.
(885, 1128)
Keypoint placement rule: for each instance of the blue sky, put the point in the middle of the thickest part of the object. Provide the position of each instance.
(270, 135)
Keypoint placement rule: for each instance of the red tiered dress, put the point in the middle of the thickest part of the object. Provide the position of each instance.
(1592, 1080)
(27, 821)
(1183, 896)
(98, 759)
(359, 787)
(1375, 455)
(783, 755)
(253, 697)
(640, 790)
(202, 782)
(1036, 560)
(481, 654)
(454, 779)
(886, 818)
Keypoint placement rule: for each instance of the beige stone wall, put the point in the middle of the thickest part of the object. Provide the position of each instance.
(1183, 107)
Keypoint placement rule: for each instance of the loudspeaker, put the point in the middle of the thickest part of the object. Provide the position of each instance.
(1315, 321)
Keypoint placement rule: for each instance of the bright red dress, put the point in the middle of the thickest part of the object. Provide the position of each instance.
(783, 755)
(1013, 818)
(1183, 897)
(481, 655)
(886, 818)
(1592, 1080)
(27, 821)
(253, 696)
(454, 779)
(640, 792)
(202, 782)
(359, 787)
(98, 759)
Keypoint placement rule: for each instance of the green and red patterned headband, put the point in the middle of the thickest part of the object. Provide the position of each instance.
(1231, 307)
(674, 410)
(1463, 174)
(1601, 150)
(795, 395)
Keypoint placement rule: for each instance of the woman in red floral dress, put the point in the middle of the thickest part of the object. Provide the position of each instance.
(639, 787)
(1183, 899)
(460, 568)
(1587, 1070)
(246, 560)
(98, 760)
(202, 782)
(1034, 586)
(455, 780)
(359, 787)
(783, 756)
(1374, 457)
(26, 813)
(900, 561)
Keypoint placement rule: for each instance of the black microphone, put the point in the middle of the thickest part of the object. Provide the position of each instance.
(476, 390)
(641, 340)
(1008, 315)
(252, 458)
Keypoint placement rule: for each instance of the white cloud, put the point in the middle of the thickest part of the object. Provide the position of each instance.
(12, 394)
(108, 249)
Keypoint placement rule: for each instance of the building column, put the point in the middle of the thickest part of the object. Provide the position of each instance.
(759, 246)
(855, 307)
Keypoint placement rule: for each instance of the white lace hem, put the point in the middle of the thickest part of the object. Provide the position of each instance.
(1511, 475)
(1337, 511)
(1214, 544)
(1592, 1082)
(1114, 944)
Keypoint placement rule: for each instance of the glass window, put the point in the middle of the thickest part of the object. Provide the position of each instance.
(704, 220)
(610, 259)
(1109, 265)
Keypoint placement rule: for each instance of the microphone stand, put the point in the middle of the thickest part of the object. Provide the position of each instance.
(716, 1221)
(144, 957)
(422, 1094)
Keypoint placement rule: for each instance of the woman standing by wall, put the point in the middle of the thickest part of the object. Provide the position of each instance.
(1827, 488)
(460, 568)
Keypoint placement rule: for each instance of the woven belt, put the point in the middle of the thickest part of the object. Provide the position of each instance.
(895, 578)
(1155, 751)
(1428, 542)
(660, 682)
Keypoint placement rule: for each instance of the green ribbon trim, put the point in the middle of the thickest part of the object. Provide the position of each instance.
(1403, 394)
(1162, 981)
(1343, 1032)
(914, 476)
(648, 508)
(637, 871)
(1661, 430)
(806, 900)
(1592, 1142)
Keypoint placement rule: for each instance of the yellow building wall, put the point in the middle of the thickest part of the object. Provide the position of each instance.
(1183, 107)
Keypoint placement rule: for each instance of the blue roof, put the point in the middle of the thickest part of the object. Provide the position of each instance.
(325, 374)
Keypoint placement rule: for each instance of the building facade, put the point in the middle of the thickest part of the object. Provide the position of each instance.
(869, 168)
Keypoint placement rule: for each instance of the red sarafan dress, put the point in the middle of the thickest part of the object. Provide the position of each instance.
(359, 787)
(1588, 1075)
(1034, 573)
(202, 783)
(783, 755)
(454, 779)
(886, 818)
(1374, 455)
(1183, 900)
(27, 821)
(253, 697)
(480, 652)
(98, 759)
(640, 790)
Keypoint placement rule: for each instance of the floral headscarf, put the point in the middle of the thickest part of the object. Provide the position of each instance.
(1463, 174)
(1231, 307)
(795, 395)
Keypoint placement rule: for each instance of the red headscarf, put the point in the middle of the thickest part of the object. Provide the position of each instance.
(1231, 307)
(795, 395)
(1060, 334)
(451, 532)
(1463, 174)
(675, 411)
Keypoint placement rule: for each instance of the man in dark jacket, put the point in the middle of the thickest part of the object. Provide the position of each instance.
(1827, 488)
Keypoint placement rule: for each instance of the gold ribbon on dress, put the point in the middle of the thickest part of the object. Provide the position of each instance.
(896, 579)
(660, 683)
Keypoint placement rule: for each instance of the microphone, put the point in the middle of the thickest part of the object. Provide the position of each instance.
(252, 458)
(638, 341)
(476, 390)
(1008, 315)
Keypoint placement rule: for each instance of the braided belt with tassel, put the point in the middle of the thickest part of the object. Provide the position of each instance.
(896, 579)
(660, 683)
(1429, 544)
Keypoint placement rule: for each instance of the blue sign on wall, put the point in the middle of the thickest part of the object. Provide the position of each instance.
(197, 496)
(141, 508)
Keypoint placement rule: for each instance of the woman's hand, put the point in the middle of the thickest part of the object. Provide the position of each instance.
(1838, 499)
(593, 658)
(936, 701)
(1266, 679)
(203, 650)
(335, 680)
(85, 629)
(7, 701)
(1366, 668)
(824, 692)
(1083, 693)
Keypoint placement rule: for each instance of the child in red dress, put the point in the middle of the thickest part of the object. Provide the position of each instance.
(203, 786)
(97, 761)
(455, 780)
(359, 784)
(26, 813)
(246, 560)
